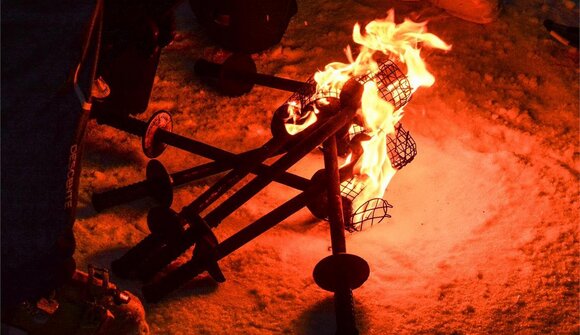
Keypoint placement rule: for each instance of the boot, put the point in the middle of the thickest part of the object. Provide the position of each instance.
(477, 11)
(89, 304)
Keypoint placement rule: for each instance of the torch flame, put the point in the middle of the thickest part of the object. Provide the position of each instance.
(399, 41)
(296, 122)
(373, 170)
(381, 107)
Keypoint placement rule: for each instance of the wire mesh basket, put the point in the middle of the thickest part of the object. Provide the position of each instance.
(306, 96)
(392, 83)
(350, 189)
(371, 212)
(401, 147)
(354, 130)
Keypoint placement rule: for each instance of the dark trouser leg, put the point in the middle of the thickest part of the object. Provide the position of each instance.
(40, 44)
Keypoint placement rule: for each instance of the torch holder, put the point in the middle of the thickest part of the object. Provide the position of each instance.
(326, 194)
(173, 233)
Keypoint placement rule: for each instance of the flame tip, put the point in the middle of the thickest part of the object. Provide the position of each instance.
(382, 99)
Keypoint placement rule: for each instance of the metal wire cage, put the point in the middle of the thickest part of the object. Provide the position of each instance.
(392, 83)
(401, 147)
(394, 87)
(350, 189)
(354, 130)
(308, 95)
(369, 213)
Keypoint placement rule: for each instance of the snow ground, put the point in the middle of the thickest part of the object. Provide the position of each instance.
(483, 237)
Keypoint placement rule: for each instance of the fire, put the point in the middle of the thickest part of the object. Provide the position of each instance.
(399, 43)
(296, 122)
(373, 170)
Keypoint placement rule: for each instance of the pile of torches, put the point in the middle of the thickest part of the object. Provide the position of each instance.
(350, 110)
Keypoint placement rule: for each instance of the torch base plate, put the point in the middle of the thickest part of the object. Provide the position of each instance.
(336, 270)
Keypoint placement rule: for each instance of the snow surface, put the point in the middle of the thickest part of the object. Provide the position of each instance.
(483, 237)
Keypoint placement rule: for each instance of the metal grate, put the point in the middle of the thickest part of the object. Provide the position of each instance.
(369, 213)
(401, 147)
(309, 94)
(392, 83)
(354, 130)
(349, 189)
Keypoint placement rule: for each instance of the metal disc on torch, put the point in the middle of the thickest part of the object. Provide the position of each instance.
(319, 206)
(163, 221)
(161, 183)
(158, 185)
(159, 120)
(333, 269)
(163, 226)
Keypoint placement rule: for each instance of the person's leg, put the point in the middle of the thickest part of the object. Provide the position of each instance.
(41, 43)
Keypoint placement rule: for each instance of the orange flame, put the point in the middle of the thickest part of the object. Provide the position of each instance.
(394, 40)
(296, 122)
(399, 42)
(373, 170)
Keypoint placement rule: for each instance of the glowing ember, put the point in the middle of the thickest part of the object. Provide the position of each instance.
(381, 106)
